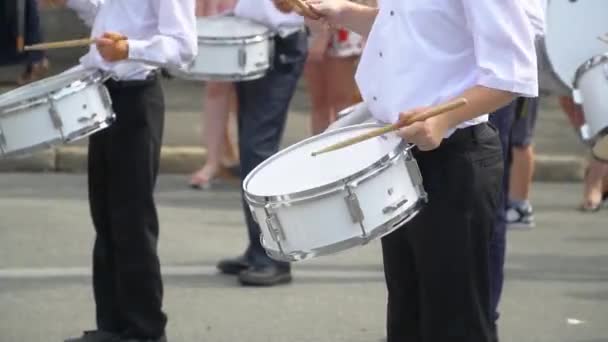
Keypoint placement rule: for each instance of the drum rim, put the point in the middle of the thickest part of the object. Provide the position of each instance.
(89, 77)
(322, 190)
(587, 65)
(267, 32)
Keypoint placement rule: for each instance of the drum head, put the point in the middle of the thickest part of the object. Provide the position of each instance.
(571, 34)
(44, 87)
(295, 170)
(226, 27)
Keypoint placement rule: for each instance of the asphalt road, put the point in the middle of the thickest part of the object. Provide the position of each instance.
(556, 290)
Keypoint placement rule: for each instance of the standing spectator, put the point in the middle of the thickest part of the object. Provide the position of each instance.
(329, 72)
(595, 191)
(219, 99)
(36, 63)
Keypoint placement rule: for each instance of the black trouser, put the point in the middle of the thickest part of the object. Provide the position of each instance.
(123, 165)
(436, 265)
(8, 33)
(263, 106)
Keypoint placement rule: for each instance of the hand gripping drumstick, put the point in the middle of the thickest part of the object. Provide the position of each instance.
(440, 109)
(305, 9)
(69, 43)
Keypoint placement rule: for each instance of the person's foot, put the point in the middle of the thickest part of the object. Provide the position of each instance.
(34, 72)
(264, 276)
(95, 336)
(204, 178)
(233, 266)
(520, 216)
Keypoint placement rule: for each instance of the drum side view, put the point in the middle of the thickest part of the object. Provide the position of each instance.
(60, 109)
(358, 208)
(230, 49)
(590, 87)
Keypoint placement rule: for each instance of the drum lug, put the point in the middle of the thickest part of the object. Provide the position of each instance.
(2, 140)
(55, 118)
(354, 208)
(412, 167)
(274, 225)
(242, 57)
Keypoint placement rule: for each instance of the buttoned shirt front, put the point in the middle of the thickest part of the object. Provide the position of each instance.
(160, 32)
(423, 52)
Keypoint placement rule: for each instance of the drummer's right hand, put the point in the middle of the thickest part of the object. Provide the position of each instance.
(330, 9)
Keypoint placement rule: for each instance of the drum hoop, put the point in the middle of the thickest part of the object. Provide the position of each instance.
(589, 64)
(90, 78)
(326, 189)
(244, 40)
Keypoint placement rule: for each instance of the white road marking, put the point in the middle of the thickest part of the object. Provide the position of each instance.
(70, 272)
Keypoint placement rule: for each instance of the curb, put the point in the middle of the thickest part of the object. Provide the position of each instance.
(186, 159)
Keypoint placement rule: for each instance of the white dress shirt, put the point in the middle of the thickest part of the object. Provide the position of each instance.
(266, 13)
(536, 11)
(160, 33)
(423, 52)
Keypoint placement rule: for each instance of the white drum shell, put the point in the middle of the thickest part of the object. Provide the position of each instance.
(590, 92)
(236, 58)
(67, 114)
(388, 194)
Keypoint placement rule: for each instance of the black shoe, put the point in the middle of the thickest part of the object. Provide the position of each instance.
(161, 339)
(233, 266)
(95, 336)
(264, 276)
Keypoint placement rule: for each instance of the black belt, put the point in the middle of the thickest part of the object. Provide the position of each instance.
(152, 78)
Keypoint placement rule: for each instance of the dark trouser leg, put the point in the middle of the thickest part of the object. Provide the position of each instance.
(263, 106)
(436, 266)
(33, 30)
(127, 277)
(503, 121)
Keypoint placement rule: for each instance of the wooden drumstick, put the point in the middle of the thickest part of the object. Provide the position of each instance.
(61, 44)
(434, 111)
(305, 9)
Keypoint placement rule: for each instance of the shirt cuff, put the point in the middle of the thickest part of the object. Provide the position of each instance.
(523, 89)
(137, 49)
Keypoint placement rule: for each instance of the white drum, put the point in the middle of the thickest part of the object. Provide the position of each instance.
(310, 206)
(591, 92)
(55, 110)
(572, 28)
(230, 49)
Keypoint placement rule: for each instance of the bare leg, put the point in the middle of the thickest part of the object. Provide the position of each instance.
(315, 73)
(217, 104)
(592, 196)
(522, 170)
(342, 89)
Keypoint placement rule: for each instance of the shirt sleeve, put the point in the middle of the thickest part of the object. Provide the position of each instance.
(504, 45)
(86, 9)
(175, 44)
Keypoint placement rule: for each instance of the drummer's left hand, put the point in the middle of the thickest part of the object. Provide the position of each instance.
(426, 135)
(113, 47)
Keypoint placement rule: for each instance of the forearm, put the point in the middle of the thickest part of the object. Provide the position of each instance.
(358, 18)
(481, 100)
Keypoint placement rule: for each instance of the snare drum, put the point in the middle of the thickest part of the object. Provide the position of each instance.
(230, 49)
(55, 110)
(310, 206)
(591, 92)
(572, 28)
